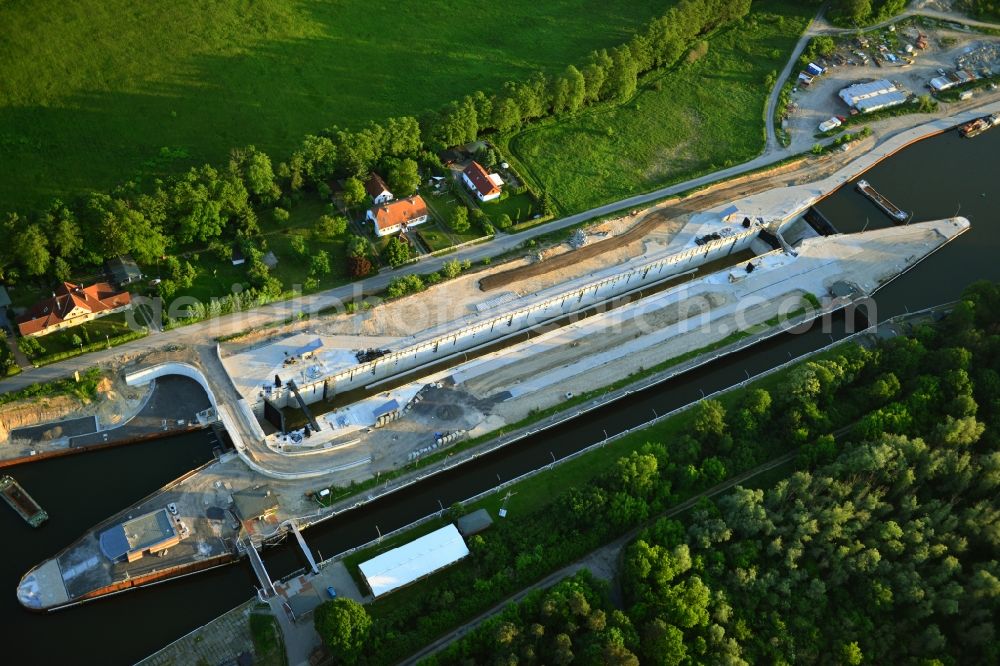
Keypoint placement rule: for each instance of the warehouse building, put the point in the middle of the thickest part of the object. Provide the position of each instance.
(859, 91)
(885, 101)
(401, 566)
(873, 96)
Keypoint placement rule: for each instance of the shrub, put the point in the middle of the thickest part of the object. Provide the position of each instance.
(358, 266)
(328, 226)
(459, 221)
(451, 269)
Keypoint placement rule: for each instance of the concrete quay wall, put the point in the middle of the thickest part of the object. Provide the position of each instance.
(146, 375)
(786, 205)
(491, 328)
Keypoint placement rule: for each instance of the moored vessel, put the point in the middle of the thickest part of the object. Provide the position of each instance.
(22, 502)
(890, 208)
(979, 125)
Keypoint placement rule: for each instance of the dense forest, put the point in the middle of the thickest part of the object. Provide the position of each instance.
(881, 548)
(864, 12)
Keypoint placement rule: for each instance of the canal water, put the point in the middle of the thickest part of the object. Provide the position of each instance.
(934, 179)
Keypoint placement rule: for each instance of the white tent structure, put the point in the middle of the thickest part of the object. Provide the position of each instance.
(401, 566)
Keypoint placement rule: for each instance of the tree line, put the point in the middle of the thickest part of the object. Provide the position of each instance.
(207, 204)
(881, 548)
(983, 9)
(864, 12)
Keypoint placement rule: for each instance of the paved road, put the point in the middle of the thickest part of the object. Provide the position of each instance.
(597, 559)
(772, 102)
(824, 27)
(276, 312)
(820, 26)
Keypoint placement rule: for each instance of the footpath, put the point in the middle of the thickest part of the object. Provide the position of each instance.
(602, 562)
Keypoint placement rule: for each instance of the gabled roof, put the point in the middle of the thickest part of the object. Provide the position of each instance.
(375, 186)
(401, 211)
(449, 156)
(123, 269)
(68, 296)
(481, 179)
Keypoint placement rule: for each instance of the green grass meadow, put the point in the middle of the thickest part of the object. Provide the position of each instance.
(519, 207)
(695, 118)
(94, 90)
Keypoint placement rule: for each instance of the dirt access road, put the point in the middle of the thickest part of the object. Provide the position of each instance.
(804, 170)
(602, 562)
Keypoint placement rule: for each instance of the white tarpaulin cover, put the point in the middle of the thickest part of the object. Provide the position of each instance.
(401, 566)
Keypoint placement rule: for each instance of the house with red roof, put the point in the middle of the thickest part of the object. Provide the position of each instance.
(71, 305)
(485, 185)
(399, 215)
(377, 189)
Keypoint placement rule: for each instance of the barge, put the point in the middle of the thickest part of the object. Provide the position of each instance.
(979, 125)
(22, 502)
(887, 206)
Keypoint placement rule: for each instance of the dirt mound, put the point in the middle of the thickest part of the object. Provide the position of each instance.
(28, 413)
(713, 195)
(114, 403)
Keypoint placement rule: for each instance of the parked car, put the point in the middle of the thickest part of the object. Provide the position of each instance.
(330, 592)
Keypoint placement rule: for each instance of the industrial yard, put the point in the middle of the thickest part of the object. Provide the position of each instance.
(947, 53)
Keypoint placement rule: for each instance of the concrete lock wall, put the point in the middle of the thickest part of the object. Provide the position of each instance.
(146, 375)
(498, 326)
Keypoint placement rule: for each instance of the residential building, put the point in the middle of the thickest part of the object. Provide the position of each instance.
(4, 304)
(377, 189)
(72, 305)
(396, 216)
(122, 270)
(485, 185)
(450, 156)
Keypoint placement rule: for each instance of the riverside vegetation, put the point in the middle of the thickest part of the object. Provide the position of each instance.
(103, 92)
(701, 115)
(878, 546)
(251, 200)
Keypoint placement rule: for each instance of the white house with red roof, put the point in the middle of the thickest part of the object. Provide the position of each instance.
(377, 189)
(71, 305)
(485, 185)
(399, 215)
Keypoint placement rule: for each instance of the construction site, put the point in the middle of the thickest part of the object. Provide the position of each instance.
(326, 403)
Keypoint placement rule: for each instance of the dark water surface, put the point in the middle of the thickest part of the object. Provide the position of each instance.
(935, 178)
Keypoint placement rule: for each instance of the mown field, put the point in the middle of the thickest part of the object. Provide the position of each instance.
(701, 116)
(98, 91)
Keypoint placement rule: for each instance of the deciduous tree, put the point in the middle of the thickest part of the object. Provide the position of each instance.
(343, 624)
